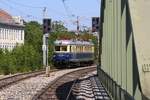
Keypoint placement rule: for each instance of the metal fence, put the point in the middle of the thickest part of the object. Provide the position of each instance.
(115, 91)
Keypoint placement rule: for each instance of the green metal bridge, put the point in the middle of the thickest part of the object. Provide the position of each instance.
(125, 48)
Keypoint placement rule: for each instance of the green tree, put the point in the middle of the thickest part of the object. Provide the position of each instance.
(33, 35)
(57, 26)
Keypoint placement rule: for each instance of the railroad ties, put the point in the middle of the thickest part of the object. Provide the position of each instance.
(89, 88)
(61, 88)
(78, 85)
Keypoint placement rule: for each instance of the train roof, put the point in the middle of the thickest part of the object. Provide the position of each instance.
(72, 42)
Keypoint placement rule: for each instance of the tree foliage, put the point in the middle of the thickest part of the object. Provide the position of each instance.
(33, 35)
(27, 57)
(57, 26)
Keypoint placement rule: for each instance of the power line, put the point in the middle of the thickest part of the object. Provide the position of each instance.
(21, 12)
(24, 5)
(10, 6)
(36, 7)
(28, 6)
(24, 14)
(69, 13)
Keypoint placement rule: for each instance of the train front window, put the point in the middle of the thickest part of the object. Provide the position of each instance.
(60, 48)
(57, 48)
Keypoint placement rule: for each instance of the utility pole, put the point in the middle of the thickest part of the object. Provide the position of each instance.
(78, 27)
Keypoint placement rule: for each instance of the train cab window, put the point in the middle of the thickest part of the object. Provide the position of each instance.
(57, 48)
(60, 48)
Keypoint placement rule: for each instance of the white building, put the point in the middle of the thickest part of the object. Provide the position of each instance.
(11, 31)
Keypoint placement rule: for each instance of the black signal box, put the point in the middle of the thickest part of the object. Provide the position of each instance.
(46, 26)
(95, 24)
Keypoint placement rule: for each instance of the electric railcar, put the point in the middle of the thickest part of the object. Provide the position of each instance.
(73, 52)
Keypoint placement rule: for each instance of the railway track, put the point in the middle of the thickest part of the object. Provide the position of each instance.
(89, 87)
(4, 82)
(60, 88)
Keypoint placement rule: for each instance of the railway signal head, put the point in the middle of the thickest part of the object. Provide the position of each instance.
(95, 24)
(46, 25)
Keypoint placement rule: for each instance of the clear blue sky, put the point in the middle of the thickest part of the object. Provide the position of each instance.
(32, 10)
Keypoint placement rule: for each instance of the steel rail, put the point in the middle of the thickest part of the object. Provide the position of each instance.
(47, 92)
(4, 82)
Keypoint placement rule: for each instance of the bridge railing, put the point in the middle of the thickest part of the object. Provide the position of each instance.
(115, 91)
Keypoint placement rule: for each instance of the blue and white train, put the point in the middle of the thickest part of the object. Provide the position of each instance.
(73, 52)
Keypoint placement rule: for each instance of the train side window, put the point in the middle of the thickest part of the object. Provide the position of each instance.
(57, 48)
(81, 48)
(64, 48)
(85, 48)
(77, 48)
(70, 48)
(73, 48)
(92, 48)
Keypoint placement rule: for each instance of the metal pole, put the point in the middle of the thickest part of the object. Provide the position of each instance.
(45, 46)
(78, 27)
(47, 49)
(46, 56)
(44, 42)
(44, 51)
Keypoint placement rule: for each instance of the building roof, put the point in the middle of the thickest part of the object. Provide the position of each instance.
(7, 19)
(4, 16)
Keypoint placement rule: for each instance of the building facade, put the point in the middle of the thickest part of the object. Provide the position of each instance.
(11, 31)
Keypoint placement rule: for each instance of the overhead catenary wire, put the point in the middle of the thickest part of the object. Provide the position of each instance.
(31, 7)
(24, 14)
(24, 5)
(37, 7)
(69, 13)
(9, 3)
